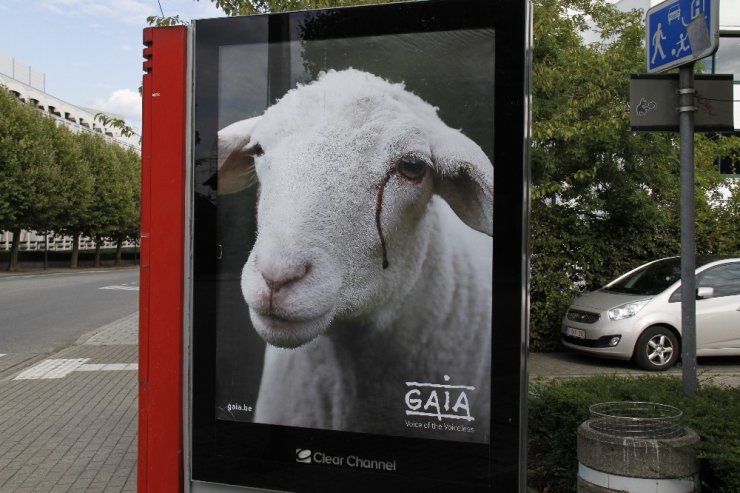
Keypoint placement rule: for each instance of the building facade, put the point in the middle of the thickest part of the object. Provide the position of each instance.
(29, 85)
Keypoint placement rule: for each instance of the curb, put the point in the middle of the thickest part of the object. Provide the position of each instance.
(63, 270)
(12, 371)
(89, 335)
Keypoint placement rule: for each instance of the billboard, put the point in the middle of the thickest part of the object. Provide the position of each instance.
(357, 316)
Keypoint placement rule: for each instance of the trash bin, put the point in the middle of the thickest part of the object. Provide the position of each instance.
(636, 447)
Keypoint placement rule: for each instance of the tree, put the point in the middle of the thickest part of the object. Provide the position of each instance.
(75, 185)
(110, 191)
(118, 123)
(29, 177)
(78, 194)
(605, 199)
(125, 224)
(247, 7)
(54, 180)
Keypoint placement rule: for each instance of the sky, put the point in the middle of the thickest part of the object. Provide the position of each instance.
(91, 50)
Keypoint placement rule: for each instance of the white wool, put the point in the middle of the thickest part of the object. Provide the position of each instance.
(353, 331)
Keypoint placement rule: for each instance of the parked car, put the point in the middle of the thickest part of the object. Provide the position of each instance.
(638, 315)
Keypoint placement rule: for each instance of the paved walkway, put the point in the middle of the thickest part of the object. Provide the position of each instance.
(68, 422)
(710, 371)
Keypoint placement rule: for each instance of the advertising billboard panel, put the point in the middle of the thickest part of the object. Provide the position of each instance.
(359, 261)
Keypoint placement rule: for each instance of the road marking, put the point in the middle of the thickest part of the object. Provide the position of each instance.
(108, 367)
(123, 287)
(60, 368)
(51, 368)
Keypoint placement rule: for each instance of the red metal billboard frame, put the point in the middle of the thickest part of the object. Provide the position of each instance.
(160, 459)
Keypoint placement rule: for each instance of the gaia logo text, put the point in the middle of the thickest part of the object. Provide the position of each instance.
(442, 401)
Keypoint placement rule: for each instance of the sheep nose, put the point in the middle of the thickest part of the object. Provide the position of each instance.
(280, 278)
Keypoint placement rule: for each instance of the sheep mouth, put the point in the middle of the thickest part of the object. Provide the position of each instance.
(281, 314)
(287, 331)
(278, 317)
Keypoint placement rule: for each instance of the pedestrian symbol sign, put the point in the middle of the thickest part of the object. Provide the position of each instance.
(680, 32)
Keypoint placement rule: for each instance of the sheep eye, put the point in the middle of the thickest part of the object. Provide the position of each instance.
(411, 168)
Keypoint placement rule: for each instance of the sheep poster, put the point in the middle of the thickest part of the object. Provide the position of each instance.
(344, 177)
(370, 278)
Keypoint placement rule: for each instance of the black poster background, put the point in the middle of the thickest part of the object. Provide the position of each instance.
(443, 52)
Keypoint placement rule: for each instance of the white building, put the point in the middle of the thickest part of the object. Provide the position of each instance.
(29, 86)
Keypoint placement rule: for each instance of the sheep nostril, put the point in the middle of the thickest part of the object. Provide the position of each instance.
(276, 281)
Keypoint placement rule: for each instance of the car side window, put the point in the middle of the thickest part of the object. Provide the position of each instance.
(675, 296)
(724, 279)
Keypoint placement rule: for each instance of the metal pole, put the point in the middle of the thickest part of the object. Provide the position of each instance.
(688, 240)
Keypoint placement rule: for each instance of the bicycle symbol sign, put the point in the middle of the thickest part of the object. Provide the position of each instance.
(680, 32)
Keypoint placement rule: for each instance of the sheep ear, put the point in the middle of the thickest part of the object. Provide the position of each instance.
(464, 178)
(235, 160)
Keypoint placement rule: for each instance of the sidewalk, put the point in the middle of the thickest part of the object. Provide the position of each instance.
(69, 422)
(724, 371)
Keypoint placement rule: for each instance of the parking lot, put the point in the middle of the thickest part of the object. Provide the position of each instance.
(715, 371)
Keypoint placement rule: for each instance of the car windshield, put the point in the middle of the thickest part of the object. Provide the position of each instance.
(650, 279)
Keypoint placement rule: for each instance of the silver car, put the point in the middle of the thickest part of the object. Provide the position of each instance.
(638, 315)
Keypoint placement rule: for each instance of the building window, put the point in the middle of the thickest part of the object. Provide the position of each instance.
(727, 61)
(727, 58)
(18, 95)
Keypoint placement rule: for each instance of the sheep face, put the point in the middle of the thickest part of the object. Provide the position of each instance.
(347, 167)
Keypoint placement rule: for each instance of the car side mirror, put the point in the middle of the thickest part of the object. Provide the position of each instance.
(704, 293)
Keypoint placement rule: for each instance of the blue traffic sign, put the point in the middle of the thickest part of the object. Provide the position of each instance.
(680, 32)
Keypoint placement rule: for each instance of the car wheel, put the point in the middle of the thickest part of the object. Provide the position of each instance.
(657, 349)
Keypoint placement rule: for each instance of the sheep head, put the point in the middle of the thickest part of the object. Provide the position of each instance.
(347, 167)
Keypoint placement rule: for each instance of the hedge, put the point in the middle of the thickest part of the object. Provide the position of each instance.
(34, 259)
(558, 407)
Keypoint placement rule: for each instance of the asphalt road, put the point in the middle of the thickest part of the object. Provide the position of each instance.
(43, 312)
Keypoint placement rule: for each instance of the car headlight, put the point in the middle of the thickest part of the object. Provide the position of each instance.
(627, 310)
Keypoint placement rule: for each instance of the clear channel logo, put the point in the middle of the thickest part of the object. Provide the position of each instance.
(303, 455)
(307, 456)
